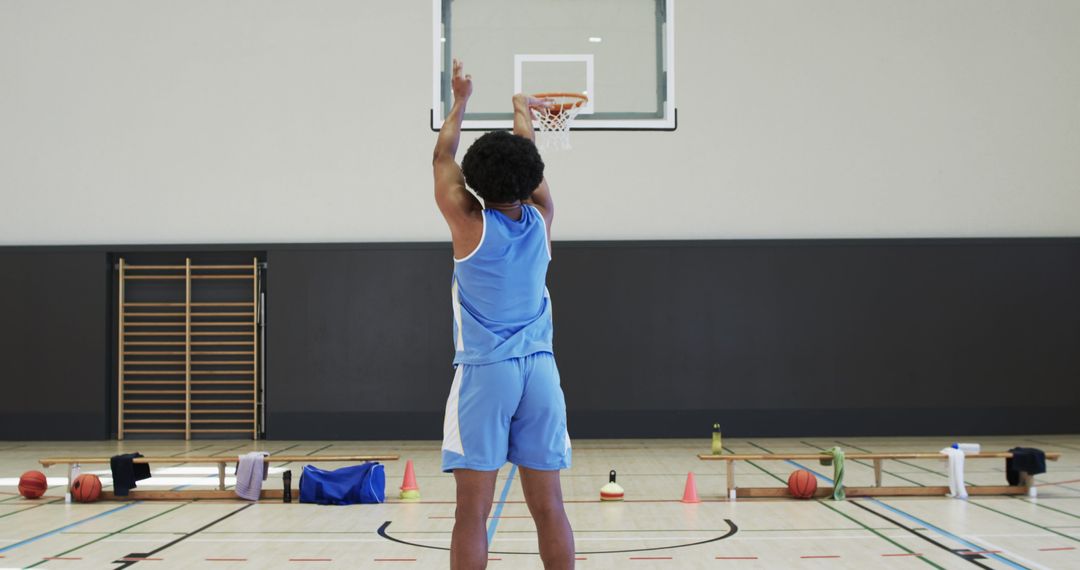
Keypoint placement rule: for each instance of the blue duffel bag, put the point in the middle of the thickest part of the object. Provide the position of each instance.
(350, 485)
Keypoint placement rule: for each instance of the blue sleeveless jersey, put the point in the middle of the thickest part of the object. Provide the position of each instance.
(501, 305)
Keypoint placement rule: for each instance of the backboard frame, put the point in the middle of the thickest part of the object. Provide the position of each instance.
(667, 122)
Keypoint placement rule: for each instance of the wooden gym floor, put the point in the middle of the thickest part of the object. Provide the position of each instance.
(651, 529)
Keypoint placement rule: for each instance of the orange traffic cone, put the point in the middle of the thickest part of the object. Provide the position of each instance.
(690, 494)
(409, 488)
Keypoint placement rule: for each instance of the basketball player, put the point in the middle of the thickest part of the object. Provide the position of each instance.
(505, 402)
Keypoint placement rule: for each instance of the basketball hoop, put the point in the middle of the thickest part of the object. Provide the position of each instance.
(553, 130)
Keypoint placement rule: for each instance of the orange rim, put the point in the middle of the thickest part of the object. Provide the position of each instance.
(578, 100)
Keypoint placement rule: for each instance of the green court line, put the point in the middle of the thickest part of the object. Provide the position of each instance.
(908, 463)
(115, 532)
(898, 545)
(311, 453)
(1004, 514)
(1062, 445)
(1038, 504)
(760, 468)
(22, 510)
(41, 504)
(865, 464)
(887, 539)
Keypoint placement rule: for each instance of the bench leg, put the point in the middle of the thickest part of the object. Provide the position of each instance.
(221, 476)
(730, 476)
(72, 467)
(877, 472)
(1027, 480)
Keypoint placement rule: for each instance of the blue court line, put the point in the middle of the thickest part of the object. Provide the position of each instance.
(972, 546)
(502, 500)
(63, 528)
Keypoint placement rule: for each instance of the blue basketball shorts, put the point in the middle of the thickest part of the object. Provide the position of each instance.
(511, 410)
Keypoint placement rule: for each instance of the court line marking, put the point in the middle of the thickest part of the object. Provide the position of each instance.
(1057, 483)
(190, 534)
(65, 527)
(907, 550)
(906, 515)
(732, 530)
(1028, 561)
(502, 501)
(1044, 442)
(1034, 524)
(1039, 504)
(100, 538)
(215, 454)
(971, 545)
(853, 519)
(867, 464)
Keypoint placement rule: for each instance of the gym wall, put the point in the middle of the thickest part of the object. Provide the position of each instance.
(795, 259)
(198, 121)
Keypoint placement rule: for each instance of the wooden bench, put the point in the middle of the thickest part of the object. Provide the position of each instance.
(877, 490)
(220, 492)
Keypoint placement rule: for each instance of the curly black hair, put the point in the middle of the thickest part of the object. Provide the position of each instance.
(502, 167)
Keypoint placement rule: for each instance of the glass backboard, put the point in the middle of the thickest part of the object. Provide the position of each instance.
(620, 53)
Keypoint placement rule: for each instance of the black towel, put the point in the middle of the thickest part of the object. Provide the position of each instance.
(126, 472)
(1025, 459)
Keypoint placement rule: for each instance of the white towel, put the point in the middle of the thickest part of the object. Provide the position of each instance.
(251, 471)
(957, 490)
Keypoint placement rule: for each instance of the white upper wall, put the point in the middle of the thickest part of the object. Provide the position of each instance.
(199, 121)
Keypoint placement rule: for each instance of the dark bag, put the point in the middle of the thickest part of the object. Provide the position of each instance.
(350, 485)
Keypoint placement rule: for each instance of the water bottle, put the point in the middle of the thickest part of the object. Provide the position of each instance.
(286, 478)
(75, 470)
(717, 440)
(967, 448)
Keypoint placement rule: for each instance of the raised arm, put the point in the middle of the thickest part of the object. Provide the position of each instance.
(523, 127)
(460, 208)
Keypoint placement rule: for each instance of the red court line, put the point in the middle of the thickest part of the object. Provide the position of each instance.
(395, 560)
(580, 558)
(736, 557)
(822, 556)
(1058, 548)
(1057, 483)
(498, 517)
(904, 554)
(61, 558)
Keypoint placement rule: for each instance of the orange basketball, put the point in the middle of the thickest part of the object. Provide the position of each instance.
(33, 484)
(86, 488)
(801, 484)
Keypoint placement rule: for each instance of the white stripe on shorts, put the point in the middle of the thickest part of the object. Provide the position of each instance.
(451, 430)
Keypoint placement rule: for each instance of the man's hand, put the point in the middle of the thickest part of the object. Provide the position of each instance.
(523, 116)
(461, 85)
(532, 102)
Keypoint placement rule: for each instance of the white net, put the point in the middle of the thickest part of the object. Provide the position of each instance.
(553, 123)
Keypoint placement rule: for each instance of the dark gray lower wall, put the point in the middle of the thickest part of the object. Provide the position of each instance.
(661, 339)
(54, 345)
(653, 339)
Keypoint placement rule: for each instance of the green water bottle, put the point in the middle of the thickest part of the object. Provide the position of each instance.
(717, 441)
